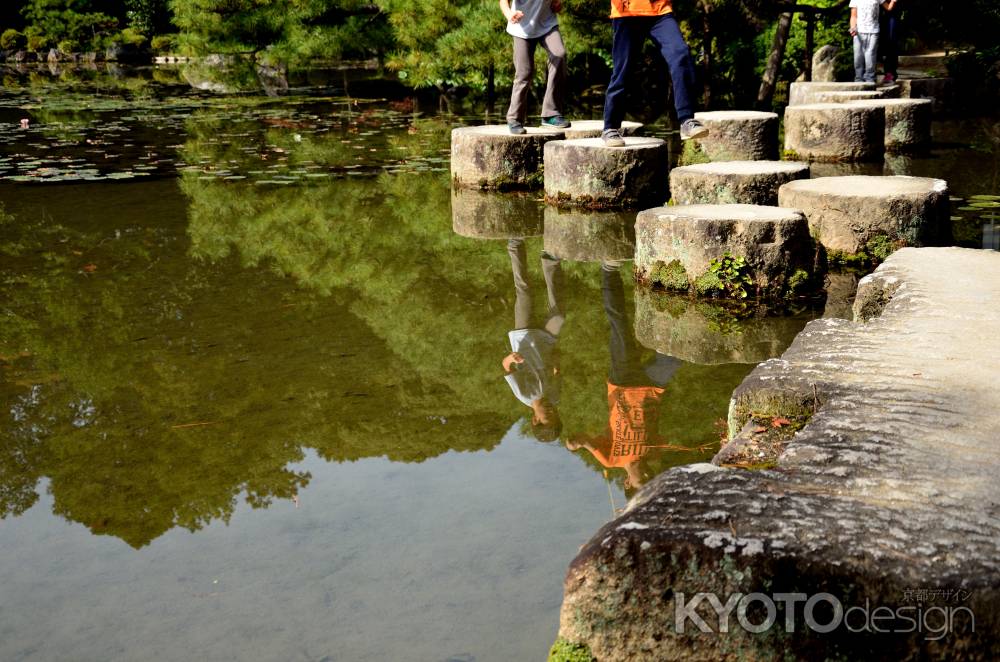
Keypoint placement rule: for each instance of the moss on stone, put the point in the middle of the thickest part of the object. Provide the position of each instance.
(799, 281)
(708, 284)
(693, 154)
(671, 277)
(567, 651)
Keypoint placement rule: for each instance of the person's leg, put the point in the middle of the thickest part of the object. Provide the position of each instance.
(891, 46)
(871, 56)
(552, 272)
(524, 69)
(667, 36)
(555, 84)
(626, 47)
(859, 59)
(522, 292)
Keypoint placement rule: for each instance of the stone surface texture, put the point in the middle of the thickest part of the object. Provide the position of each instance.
(739, 135)
(733, 182)
(774, 242)
(802, 93)
(585, 173)
(578, 235)
(594, 128)
(483, 215)
(489, 157)
(849, 213)
(824, 69)
(907, 122)
(891, 486)
(709, 333)
(843, 96)
(835, 132)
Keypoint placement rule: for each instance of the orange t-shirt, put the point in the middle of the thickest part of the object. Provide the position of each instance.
(632, 420)
(621, 8)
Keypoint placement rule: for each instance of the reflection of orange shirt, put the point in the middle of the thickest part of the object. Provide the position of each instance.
(632, 420)
(621, 8)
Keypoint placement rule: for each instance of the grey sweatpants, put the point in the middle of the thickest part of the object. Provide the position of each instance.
(552, 272)
(524, 69)
(865, 55)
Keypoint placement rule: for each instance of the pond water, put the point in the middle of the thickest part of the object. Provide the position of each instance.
(252, 394)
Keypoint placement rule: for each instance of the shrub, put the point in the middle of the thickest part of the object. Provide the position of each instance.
(12, 40)
(164, 43)
(35, 40)
(132, 37)
(68, 46)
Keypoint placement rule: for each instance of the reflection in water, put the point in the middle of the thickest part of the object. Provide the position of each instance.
(634, 389)
(532, 367)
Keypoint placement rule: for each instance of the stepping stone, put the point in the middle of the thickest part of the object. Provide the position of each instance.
(594, 128)
(482, 215)
(940, 90)
(490, 157)
(888, 92)
(800, 94)
(846, 168)
(871, 215)
(709, 333)
(579, 235)
(933, 64)
(586, 173)
(907, 122)
(733, 182)
(734, 135)
(675, 247)
(834, 132)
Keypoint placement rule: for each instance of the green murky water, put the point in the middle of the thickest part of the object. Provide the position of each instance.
(252, 402)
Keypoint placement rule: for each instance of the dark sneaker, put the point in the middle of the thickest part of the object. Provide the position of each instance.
(612, 138)
(516, 128)
(692, 128)
(889, 78)
(556, 122)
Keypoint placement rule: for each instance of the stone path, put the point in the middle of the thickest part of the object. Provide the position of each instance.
(891, 487)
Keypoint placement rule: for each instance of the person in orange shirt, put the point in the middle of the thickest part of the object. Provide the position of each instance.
(632, 22)
(634, 390)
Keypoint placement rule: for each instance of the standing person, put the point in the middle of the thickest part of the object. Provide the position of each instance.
(632, 21)
(533, 22)
(864, 29)
(891, 38)
(532, 367)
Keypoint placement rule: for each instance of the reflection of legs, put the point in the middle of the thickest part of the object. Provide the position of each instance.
(524, 68)
(625, 368)
(667, 35)
(552, 271)
(629, 33)
(522, 294)
(555, 84)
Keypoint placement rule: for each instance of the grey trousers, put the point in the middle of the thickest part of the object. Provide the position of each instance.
(524, 70)
(552, 272)
(865, 55)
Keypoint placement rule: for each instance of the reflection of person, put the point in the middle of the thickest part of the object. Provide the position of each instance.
(864, 29)
(632, 21)
(530, 23)
(891, 37)
(634, 390)
(532, 367)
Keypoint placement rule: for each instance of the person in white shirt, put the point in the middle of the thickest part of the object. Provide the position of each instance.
(865, 29)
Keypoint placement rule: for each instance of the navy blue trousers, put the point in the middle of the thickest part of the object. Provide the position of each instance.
(630, 33)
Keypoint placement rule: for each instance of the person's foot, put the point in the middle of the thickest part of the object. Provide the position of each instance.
(556, 122)
(612, 138)
(889, 78)
(516, 128)
(692, 128)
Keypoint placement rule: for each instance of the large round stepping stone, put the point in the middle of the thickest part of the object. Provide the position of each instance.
(907, 122)
(707, 333)
(675, 247)
(490, 157)
(580, 235)
(735, 135)
(800, 94)
(939, 90)
(834, 132)
(594, 129)
(733, 182)
(874, 215)
(483, 215)
(586, 173)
